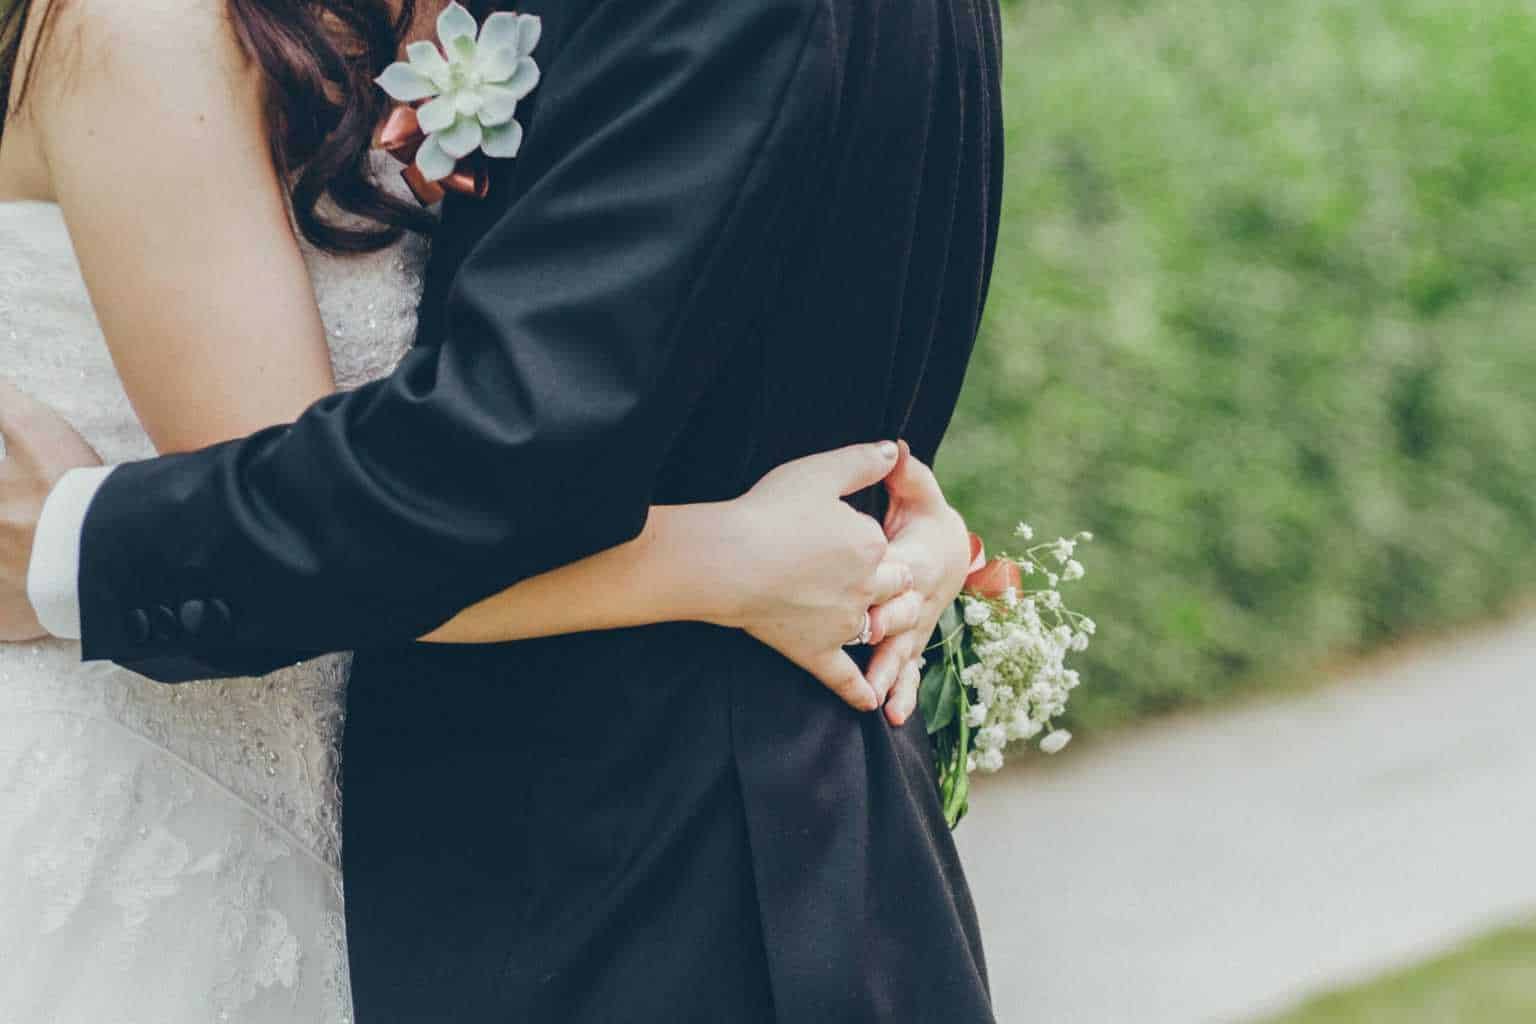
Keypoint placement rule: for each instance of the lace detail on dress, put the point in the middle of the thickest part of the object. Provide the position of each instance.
(177, 848)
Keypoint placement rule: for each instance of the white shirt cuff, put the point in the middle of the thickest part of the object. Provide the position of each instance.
(53, 575)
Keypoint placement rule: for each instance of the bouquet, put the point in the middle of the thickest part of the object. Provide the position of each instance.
(996, 672)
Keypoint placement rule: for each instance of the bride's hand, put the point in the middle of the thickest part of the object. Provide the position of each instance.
(39, 447)
(806, 567)
(931, 539)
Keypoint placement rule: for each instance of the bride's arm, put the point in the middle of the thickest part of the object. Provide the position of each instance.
(151, 124)
(787, 549)
(156, 148)
(783, 562)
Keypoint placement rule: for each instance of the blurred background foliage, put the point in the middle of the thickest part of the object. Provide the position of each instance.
(1261, 321)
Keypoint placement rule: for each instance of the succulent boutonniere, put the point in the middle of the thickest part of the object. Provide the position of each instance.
(460, 99)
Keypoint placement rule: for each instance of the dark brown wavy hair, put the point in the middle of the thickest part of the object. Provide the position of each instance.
(318, 60)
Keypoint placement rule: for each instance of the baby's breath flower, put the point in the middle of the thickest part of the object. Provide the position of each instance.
(1056, 742)
(1014, 681)
(977, 612)
(1022, 727)
(1024, 531)
(991, 738)
(985, 689)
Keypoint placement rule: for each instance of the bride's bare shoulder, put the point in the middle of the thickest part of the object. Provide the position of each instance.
(132, 43)
(166, 75)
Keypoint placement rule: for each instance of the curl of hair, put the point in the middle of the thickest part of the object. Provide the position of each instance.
(318, 61)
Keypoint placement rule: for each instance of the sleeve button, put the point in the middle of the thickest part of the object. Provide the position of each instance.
(194, 616)
(206, 620)
(138, 626)
(163, 625)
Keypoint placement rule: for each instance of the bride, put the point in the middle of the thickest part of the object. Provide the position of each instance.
(196, 242)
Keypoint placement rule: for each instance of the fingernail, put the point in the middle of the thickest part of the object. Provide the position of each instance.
(872, 701)
(889, 450)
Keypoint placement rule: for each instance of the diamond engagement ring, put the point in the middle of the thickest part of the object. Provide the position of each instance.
(866, 633)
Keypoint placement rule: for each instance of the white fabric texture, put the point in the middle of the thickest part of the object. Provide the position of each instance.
(168, 854)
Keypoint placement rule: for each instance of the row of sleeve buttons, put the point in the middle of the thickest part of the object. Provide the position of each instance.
(204, 620)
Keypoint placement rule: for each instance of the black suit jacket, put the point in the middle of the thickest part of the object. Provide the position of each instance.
(738, 233)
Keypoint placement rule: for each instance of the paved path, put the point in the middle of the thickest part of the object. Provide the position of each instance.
(1215, 868)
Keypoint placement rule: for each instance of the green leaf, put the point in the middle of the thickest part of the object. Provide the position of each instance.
(936, 695)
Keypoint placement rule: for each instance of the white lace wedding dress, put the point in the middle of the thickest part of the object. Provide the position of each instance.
(168, 855)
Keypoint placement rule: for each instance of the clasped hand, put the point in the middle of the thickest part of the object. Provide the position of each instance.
(814, 584)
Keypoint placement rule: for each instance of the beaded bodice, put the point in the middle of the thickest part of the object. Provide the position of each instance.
(271, 743)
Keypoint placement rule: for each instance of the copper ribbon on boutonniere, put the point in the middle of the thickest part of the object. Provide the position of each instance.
(991, 579)
(402, 137)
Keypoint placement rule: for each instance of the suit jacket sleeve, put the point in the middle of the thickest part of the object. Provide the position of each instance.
(669, 147)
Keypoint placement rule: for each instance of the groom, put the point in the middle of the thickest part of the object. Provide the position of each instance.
(739, 232)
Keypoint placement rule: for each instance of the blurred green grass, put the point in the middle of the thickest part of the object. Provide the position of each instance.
(1261, 320)
(1490, 981)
